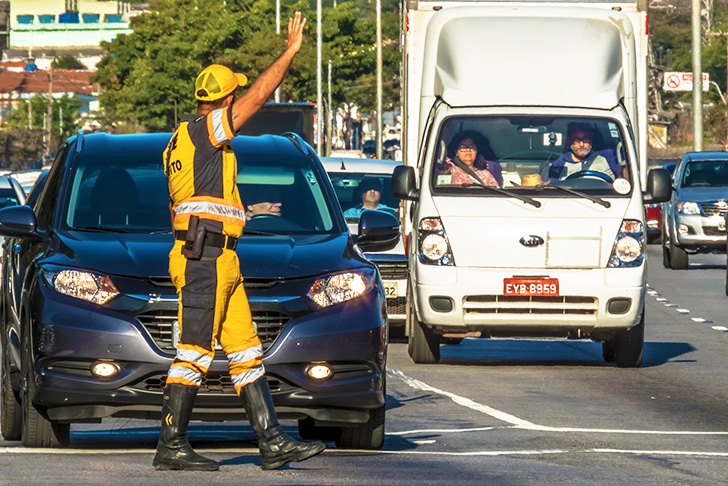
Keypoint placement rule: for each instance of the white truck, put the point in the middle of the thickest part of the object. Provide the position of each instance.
(556, 248)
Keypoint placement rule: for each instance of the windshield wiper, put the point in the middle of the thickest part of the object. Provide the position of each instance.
(498, 190)
(258, 233)
(593, 199)
(100, 229)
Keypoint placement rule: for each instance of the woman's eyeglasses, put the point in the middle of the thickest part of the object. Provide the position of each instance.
(468, 147)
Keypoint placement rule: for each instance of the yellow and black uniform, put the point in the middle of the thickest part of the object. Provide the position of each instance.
(201, 173)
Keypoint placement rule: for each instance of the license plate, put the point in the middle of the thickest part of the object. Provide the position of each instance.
(532, 287)
(391, 290)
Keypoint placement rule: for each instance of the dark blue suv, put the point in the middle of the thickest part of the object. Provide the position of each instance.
(89, 312)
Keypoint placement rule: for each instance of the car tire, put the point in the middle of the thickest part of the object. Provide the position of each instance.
(629, 346)
(423, 345)
(678, 258)
(368, 436)
(36, 429)
(665, 250)
(12, 414)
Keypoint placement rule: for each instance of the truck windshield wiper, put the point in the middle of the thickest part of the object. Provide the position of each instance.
(498, 190)
(594, 199)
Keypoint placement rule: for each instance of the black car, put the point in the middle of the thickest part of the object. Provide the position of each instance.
(89, 310)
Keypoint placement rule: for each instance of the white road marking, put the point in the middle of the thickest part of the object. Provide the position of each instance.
(661, 299)
(683, 311)
(519, 423)
(719, 328)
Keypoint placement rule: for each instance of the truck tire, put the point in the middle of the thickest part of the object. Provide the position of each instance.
(423, 345)
(12, 415)
(36, 429)
(368, 436)
(629, 346)
(678, 258)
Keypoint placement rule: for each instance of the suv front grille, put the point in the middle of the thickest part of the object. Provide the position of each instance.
(392, 270)
(211, 383)
(159, 326)
(715, 208)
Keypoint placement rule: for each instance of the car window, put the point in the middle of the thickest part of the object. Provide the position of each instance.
(346, 186)
(295, 183)
(706, 173)
(8, 197)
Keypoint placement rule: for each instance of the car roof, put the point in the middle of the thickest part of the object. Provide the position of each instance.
(705, 156)
(366, 166)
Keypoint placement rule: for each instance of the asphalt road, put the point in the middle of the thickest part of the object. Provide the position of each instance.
(501, 412)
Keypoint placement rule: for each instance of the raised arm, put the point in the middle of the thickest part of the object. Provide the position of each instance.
(263, 87)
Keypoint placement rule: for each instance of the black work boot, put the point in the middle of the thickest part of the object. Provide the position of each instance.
(276, 447)
(173, 449)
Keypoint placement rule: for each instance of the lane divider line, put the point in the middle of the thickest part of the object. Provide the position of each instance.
(519, 423)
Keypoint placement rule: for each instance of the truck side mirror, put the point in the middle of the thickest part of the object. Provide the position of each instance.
(404, 183)
(659, 186)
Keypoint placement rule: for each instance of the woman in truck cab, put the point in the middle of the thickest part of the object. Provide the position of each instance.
(467, 163)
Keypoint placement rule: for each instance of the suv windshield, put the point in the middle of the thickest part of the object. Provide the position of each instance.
(127, 192)
(531, 156)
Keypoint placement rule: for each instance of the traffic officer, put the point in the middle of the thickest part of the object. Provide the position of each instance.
(208, 218)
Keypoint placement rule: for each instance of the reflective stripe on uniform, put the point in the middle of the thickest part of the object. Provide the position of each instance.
(206, 207)
(218, 128)
(239, 381)
(191, 356)
(246, 355)
(183, 375)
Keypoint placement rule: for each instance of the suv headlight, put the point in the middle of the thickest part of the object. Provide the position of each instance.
(688, 207)
(340, 287)
(628, 250)
(82, 284)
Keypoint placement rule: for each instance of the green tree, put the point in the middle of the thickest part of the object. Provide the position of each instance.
(30, 116)
(67, 61)
(147, 76)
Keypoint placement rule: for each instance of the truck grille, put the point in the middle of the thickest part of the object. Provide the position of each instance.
(159, 326)
(500, 304)
(396, 306)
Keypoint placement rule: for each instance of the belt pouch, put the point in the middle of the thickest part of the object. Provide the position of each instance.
(195, 241)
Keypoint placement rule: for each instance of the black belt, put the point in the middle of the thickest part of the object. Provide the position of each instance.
(217, 240)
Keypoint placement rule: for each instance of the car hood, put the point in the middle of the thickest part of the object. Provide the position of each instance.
(261, 257)
(700, 194)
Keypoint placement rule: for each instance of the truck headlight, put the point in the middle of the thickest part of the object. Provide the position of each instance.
(628, 250)
(82, 284)
(341, 287)
(688, 207)
(434, 246)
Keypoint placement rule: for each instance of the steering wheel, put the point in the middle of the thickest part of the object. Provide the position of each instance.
(263, 216)
(590, 173)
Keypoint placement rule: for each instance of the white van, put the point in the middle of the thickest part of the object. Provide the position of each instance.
(526, 243)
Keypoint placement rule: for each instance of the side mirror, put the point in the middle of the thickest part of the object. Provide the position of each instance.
(659, 186)
(378, 231)
(404, 183)
(17, 221)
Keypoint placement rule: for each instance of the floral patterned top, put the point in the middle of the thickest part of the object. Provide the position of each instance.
(451, 174)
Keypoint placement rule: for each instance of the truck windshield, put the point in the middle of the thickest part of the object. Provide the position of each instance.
(532, 156)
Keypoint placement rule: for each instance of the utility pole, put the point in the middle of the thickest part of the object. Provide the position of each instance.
(379, 79)
(49, 117)
(697, 78)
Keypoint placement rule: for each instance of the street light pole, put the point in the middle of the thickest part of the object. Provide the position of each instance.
(697, 79)
(278, 32)
(379, 79)
(319, 75)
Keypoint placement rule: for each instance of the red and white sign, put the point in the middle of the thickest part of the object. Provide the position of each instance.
(674, 81)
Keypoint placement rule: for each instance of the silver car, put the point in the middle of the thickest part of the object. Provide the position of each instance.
(347, 174)
(694, 219)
